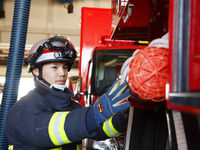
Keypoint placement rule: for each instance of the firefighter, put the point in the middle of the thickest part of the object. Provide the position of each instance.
(47, 118)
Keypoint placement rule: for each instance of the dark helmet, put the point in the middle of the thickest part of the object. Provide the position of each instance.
(54, 49)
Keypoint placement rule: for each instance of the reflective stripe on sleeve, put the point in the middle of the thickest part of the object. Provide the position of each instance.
(56, 129)
(109, 129)
(79, 147)
(10, 147)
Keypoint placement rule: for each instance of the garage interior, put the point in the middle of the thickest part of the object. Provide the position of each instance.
(46, 18)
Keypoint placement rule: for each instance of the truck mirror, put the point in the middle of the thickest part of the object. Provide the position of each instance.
(74, 84)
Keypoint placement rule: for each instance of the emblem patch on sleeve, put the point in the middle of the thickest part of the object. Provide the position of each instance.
(100, 108)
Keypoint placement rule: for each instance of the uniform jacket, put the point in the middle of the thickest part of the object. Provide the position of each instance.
(45, 119)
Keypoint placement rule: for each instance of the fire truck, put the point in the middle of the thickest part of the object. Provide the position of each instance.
(111, 36)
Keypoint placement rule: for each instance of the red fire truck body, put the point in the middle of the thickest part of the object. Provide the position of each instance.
(183, 88)
(96, 44)
(93, 26)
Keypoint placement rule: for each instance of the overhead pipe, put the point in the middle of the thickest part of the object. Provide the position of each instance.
(2, 13)
(14, 64)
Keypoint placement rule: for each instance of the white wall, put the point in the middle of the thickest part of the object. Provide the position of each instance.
(49, 17)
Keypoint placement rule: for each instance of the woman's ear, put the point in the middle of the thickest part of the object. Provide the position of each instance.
(35, 71)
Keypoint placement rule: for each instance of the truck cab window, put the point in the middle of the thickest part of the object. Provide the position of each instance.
(106, 68)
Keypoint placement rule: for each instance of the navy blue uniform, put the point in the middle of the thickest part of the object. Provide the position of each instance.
(34, 121)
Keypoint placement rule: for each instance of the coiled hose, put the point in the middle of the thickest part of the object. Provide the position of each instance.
(14, 64)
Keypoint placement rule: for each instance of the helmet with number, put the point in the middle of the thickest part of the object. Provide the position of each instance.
(54, 49)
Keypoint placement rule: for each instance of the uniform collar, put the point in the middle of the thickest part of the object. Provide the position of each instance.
(54, 99)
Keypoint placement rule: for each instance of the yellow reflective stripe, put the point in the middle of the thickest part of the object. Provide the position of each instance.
(51, 129)
(112, 127)
(56, 129)
(11, 147)
(62, 129)
(28, 67)
(109, 129)
(105, 129)
(57, 148)
(143, 42)
(79, 147)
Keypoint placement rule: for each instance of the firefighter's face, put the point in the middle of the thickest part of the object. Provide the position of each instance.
(55, 72)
